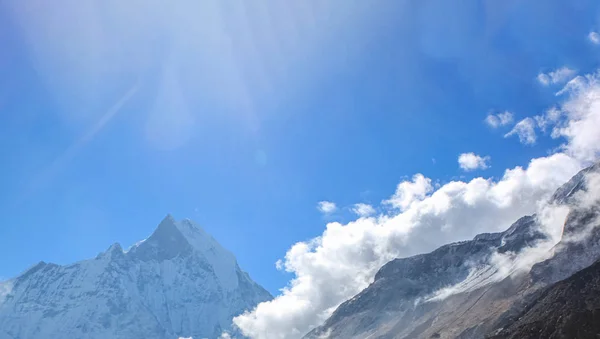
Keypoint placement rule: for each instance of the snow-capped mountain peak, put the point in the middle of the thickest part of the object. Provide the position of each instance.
(179, 282)
(165, 243)
(182, 238)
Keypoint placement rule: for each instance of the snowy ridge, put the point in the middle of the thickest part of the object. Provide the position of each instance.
(179, 282)
(222, 261)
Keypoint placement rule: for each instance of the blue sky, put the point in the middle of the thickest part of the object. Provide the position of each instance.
(244, 117)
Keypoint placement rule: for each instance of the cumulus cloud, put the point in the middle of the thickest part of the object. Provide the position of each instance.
(326, 207)
(558, 76)
(594, 37)
(363, 210)
(342, 261)
(472, 161)
(500, 119)
(408, 192)
(582, 118)
(525, 130)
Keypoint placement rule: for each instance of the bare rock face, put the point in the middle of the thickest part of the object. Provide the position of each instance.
(567, 309)
(177, 283)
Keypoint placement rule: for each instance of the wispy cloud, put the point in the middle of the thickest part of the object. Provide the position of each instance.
(500, 119)
(525, 130)
(558, 76)
(549, 118)
(363, 210)
(472, 161)
(326, 207)
(594, 37)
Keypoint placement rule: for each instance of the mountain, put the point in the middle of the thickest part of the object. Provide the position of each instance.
(401, 302)
(460, 290)
(179, 282)
(567, 309)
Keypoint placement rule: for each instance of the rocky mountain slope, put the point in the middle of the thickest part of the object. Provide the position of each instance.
(459, 290)
(567, 309)
(401, 302)
(177, 283)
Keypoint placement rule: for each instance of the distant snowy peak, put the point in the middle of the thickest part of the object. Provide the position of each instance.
(174, 238)
(185, 234)
(179, 282)
(165, 243)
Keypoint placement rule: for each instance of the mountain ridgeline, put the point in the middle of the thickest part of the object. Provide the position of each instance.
(177, 283)
(457, 291)
(180, 282)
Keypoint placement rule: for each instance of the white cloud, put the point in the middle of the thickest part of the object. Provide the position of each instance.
(550, 219)
(549, 118)
(492, 121)
(543, 79)
(472, 161)
(343, 260)
(587, 199)
(333, 267)
(525, 130)
(326, 207)
(594, 37)
(408, 192)
(558, 76)
(505, 118)
(363, 210)
(582, 123)
(500, 119)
